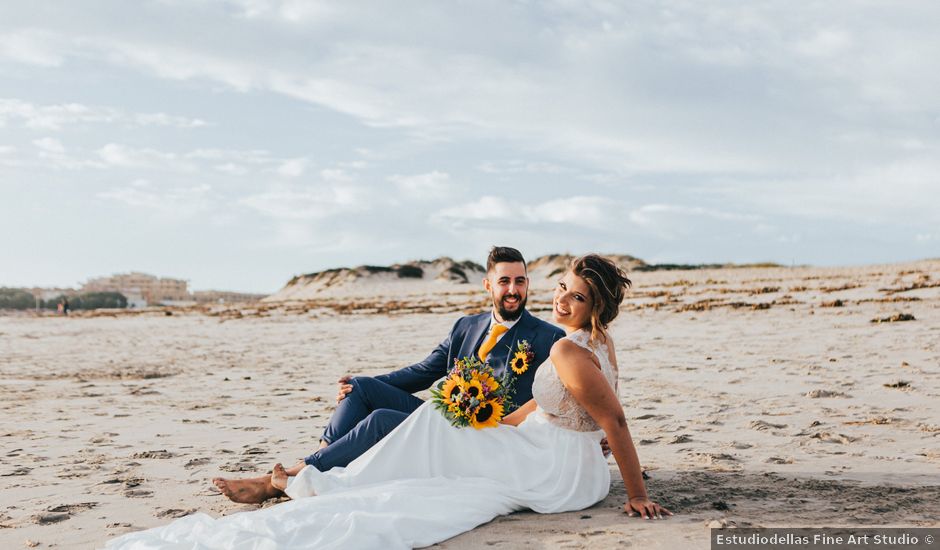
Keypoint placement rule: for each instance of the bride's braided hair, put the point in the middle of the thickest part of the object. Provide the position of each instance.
(608, 284)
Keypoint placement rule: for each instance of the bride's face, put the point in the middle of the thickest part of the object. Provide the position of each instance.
(572, 304)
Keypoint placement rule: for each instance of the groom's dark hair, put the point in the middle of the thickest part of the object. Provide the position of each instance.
(500, 254)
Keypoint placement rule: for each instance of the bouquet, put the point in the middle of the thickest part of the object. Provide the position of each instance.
(471, 395)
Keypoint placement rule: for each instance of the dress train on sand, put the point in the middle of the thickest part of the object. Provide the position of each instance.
(423, 483)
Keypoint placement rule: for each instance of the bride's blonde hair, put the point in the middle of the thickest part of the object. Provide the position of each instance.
(608, 284)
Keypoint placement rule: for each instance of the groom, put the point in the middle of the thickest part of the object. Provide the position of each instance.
(371, 407)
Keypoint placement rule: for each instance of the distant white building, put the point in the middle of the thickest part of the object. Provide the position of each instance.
(135, 299)
(141, 289)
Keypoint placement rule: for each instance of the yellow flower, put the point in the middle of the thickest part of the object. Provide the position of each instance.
(452, 389)
(487, 415)
(519, 362)
(474, 388)
(487, 380)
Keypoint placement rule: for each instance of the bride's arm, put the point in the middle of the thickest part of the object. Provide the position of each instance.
(580, 375)
(517, 416)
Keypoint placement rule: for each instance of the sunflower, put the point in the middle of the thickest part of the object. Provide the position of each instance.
(487, 415)
(451, 391)
(489, 383)
(519, 362)
(473, 388)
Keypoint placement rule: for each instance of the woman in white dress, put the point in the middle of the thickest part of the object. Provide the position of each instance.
(428, 481)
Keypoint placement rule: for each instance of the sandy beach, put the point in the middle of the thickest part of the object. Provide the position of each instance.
(756, 397)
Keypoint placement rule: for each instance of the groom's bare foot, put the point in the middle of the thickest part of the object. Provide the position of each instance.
(279, 477)
(247, 491)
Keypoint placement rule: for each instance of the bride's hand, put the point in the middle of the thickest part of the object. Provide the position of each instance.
(645, 508)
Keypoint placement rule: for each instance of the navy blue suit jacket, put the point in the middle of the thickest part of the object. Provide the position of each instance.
(464, 340)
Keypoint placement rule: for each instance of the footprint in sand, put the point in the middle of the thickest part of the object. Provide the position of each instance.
(833, 438)
(73, 508)
(652, 416)
(816, 394)
(161, 454)
(195, 462)
(48, 518)
(174, 513)
(126, 482)
(62, 512)
(761, 425)
(18, 471)
(896, 318)
(238, 467)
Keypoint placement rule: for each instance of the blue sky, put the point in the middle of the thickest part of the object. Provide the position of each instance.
(237, 143)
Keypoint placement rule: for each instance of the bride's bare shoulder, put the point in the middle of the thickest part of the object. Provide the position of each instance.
(566, 353)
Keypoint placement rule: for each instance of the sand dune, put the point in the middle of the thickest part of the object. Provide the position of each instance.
(417, 278)
(757, 397)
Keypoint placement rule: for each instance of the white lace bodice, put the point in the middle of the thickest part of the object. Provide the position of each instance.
(555, 402)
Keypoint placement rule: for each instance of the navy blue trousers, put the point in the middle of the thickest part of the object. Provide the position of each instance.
(366, 415)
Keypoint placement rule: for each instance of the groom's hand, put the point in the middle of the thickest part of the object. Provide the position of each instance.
(605, 447)
(344, 387)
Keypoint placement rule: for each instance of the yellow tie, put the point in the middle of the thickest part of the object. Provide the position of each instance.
(490, 342)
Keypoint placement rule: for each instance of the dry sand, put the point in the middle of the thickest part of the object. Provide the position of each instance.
(756, 397)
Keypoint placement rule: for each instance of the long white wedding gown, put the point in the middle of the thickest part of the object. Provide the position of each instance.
(423, 483)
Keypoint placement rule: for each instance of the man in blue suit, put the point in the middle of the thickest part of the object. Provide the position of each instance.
(371, 407)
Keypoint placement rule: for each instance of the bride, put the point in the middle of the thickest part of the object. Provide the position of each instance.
(428, 481)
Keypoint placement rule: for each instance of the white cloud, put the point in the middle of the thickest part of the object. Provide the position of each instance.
(647, 214)
(49, 145)
(520, 167)
(253, 156)
(119, 155)
(825, 43)
(52, 153)
(562, 90)
(299, 11)
(51, 117)
(7, 157)
(424, 186)
(335, 175)
(31, 46)
(671, 221)
(56, 116)
(163, 119)
(579, 211)
(902, 191)
(308, 202)
(290, 11)
(488, 207)
(173, 202)
(593, 212)
(232, 169)
(180, 63)
(293, 168)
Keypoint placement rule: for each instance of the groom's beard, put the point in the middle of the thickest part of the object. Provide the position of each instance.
(508, 315)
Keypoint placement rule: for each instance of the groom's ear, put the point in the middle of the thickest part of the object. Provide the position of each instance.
(486, 284)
